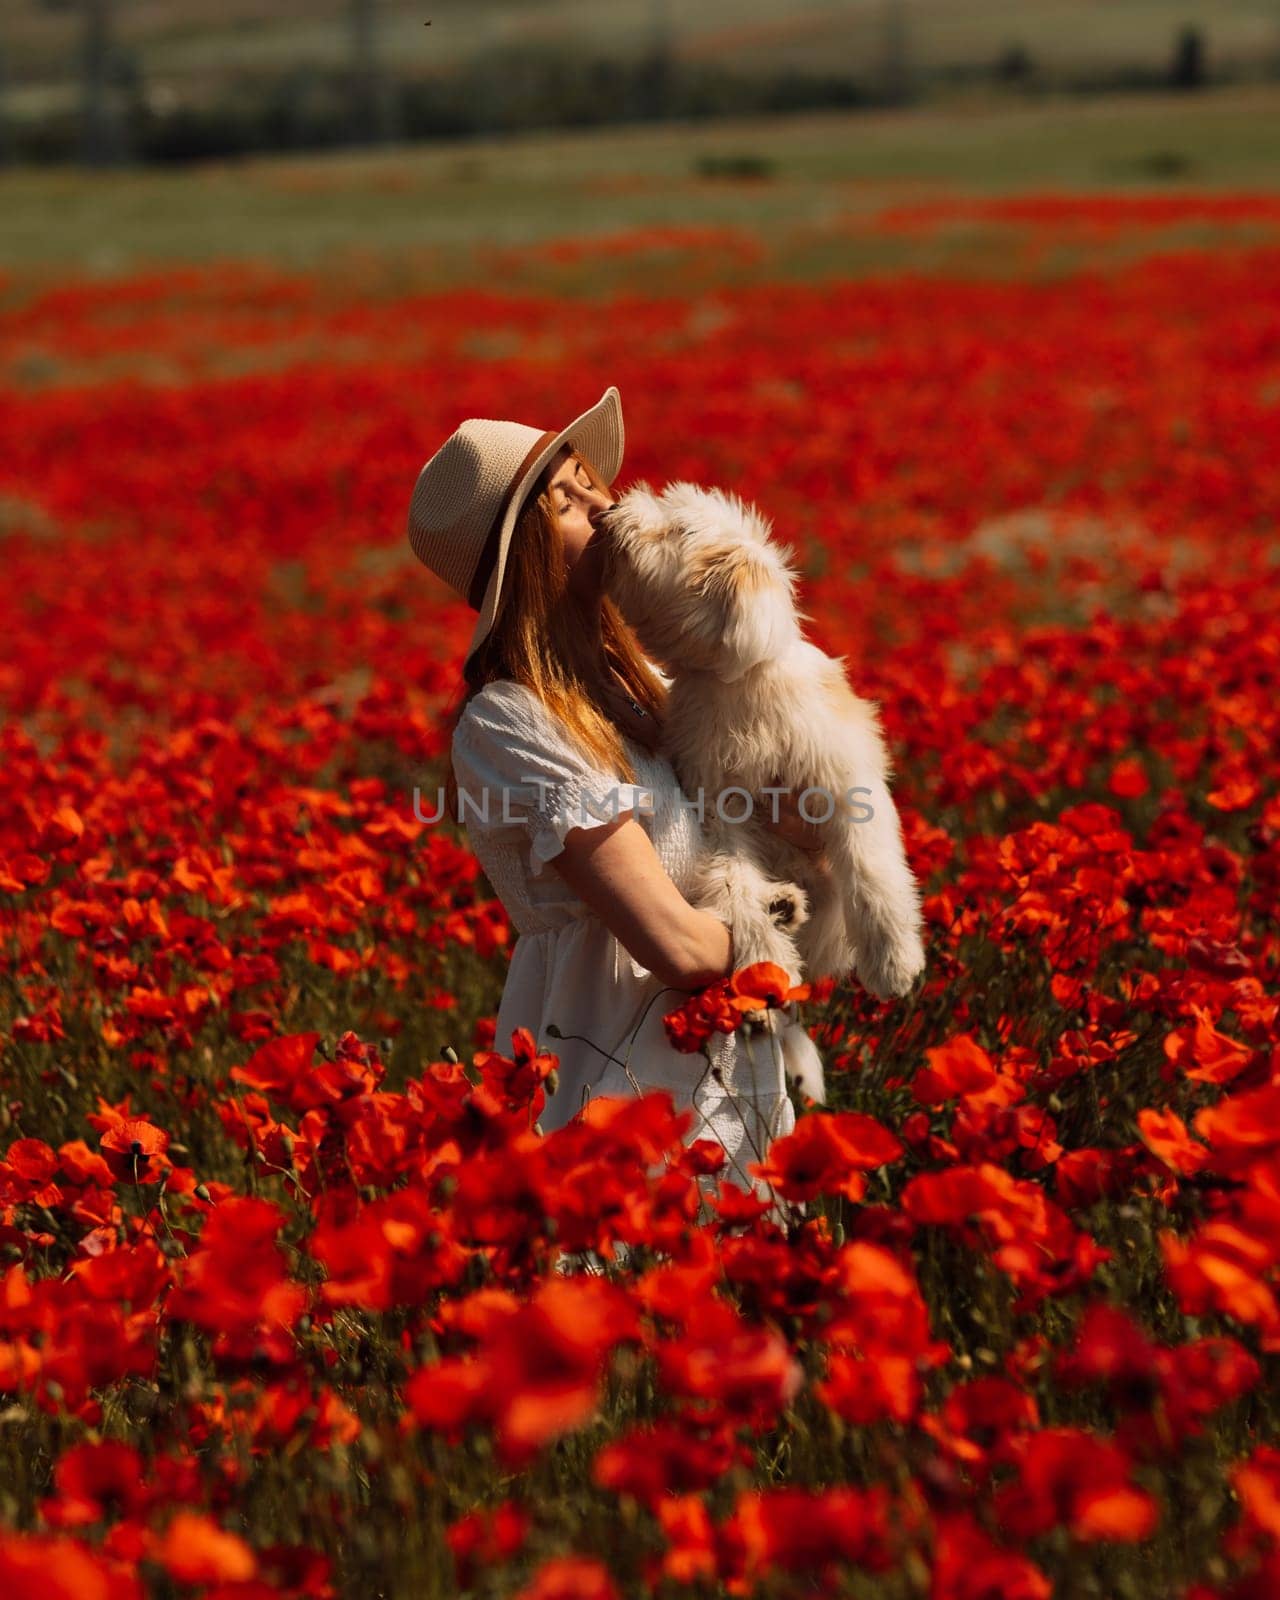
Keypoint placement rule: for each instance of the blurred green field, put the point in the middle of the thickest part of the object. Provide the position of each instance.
(420, 214)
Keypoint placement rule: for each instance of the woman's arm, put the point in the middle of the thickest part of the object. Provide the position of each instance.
(616, 871)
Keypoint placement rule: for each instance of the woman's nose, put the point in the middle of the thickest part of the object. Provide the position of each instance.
(602, 504)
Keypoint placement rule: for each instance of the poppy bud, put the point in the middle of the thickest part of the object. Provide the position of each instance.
(450, 1055)
(552, 1081)
(201, 1191)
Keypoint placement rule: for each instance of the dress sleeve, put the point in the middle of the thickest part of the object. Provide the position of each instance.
(518, 767)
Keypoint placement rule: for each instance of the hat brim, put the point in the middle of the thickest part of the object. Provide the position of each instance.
(599, 434)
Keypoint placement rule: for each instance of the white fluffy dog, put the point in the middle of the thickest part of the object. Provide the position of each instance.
(753, 704)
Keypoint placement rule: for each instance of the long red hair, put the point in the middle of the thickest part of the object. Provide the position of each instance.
(540, 638)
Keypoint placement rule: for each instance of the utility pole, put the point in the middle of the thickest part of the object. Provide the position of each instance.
(8, 146)
(489, 77)
(660, 60)
(98, 147)
(371, 113)
(897, 53)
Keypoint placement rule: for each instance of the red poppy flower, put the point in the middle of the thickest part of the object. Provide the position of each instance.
(487, 1538)
(281, 1068)
(95, 1482)
(1070, 1478)
(763, 985)
(665, 1458)
(969, 1565)
(194, 1549)
(235, 1282)
(570, 1578)
(959, 1067)
(134, 1150)
(34, 1567)
(800, 1530)
(537, 1371)
(1257, 1482)
(827, 1154)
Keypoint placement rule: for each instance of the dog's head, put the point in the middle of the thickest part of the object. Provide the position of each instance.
(696, 575)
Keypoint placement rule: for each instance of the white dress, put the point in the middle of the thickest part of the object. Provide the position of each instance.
(523, 785)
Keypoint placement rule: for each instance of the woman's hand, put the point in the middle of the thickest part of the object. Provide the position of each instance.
(791, 826)
(615, 870)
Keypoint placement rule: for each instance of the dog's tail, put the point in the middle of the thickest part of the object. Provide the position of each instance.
(801, 1061)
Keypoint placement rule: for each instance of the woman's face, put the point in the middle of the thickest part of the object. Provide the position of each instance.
(578, 506)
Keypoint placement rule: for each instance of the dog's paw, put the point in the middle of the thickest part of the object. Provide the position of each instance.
(891, 970)
(788, 906)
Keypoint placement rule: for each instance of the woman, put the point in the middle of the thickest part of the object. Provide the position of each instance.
(578, 822)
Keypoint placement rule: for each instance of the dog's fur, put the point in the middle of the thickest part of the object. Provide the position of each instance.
(712, 600)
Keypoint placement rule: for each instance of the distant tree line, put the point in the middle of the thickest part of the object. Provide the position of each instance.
(506, 90)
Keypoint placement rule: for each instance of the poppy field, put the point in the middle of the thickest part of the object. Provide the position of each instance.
(293, 1293)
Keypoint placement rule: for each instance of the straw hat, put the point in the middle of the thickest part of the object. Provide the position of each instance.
(469, 494)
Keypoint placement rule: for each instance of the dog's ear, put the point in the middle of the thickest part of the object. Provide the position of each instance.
(748, 612)
(747, 518)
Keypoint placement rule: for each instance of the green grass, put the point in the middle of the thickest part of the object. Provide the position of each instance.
(412, 209)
